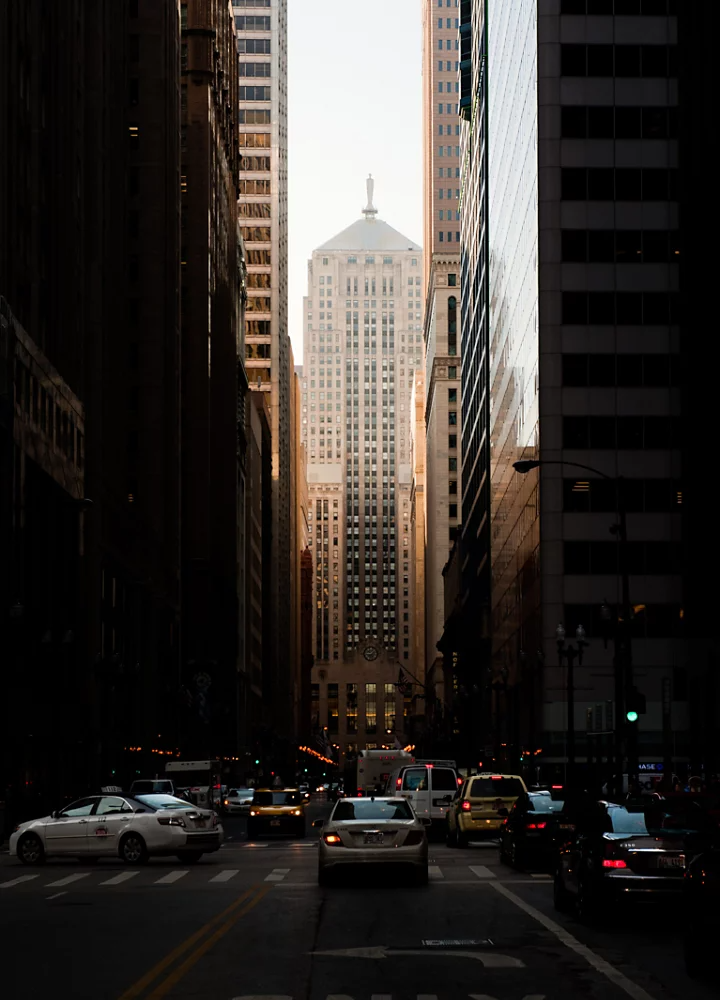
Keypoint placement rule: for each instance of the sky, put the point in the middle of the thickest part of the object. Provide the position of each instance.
(354, 108)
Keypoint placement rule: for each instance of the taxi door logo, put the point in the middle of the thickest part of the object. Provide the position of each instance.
(101, 831)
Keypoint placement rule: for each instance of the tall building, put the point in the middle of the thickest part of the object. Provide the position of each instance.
(418, 542)
(581, 265)
(441, 193)
(212, 298)
(261, 29)
(362, 347)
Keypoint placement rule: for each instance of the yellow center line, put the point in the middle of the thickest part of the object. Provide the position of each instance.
(177, 974)
(136, 989)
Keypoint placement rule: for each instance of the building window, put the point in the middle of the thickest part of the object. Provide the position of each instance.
(452, 464)
(452, 371)
(332, 708)
(452, 280)
(452, 418)
(351, 706)
(390, 707)
(370, 708)
(452, 441)
(315, 705)
(452, 395)
(452, 510)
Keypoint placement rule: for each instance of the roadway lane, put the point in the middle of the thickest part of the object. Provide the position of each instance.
(251, 922)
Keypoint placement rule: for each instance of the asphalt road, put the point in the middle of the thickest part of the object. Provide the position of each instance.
(251, 923)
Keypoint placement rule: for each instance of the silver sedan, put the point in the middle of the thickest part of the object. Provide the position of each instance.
(371, 831)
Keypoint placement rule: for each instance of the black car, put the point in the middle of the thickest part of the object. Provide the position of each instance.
(618, 852)
(530, 831)
(702, 911)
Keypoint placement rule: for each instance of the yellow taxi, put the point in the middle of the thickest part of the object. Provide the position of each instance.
(276, 811)
(480, 807)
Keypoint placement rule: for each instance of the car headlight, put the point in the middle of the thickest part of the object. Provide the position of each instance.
(297, 812)
(252, 812)
(171, 821)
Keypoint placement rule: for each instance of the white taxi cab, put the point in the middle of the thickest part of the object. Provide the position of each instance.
(133, 829)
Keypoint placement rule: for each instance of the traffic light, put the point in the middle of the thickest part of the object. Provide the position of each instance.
(635, 705)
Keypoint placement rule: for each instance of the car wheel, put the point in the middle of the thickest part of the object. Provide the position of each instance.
(190, 857)
(517, 856)
(30, 850)
(561, 897)
(589, 907)
(420, 876)
(133, 850)
(324, 876)
(504, 856)
(450, 837)
(461, 839)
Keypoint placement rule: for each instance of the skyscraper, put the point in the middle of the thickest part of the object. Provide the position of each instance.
(363, 344)
(261, 29)
(572, 163)
(441, 192)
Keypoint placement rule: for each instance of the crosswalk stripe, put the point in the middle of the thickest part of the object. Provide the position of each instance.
(67, 880)
(170, 878)
(277, 875)
(17, 881)
(225, 876)
(482, 871)
(434, 872)
(117, 879)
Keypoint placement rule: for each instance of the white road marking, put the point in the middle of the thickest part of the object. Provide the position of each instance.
(55, 895)
(170, 878)
(117, 879)
(489, 959)
(17, 881)
(277, 875)
(599, 964)
(67, 880)
(434, 872)
(225, 876)
(482, 871)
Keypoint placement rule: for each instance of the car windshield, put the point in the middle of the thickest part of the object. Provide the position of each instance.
(444, 780)
(192, 779)
(492, 788)
(664, 819)
(164, 802)
(276, 798)
(368, 809)
(543, 803)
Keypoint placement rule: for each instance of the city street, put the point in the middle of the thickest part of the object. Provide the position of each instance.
(251, 922)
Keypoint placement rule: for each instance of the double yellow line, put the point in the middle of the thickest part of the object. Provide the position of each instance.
(197, 945)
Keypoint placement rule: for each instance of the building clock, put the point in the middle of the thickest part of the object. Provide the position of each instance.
(370, 653)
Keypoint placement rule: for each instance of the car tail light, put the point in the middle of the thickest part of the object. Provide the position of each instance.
(536, 826)
(496, 777)
(466, 807)
(171, 821)
(332, 840)
(398, 783)
(414, 837)
(613, 863)
(460, 781)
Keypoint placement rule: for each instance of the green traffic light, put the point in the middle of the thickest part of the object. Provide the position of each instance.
(257, 761)
(632, 716)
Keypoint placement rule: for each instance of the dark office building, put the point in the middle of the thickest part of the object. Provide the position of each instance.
(89, 278)
(580, 176)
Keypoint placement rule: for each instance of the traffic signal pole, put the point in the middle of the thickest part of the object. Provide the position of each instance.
(626, 733)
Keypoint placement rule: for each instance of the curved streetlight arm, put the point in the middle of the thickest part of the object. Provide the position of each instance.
(526, 465)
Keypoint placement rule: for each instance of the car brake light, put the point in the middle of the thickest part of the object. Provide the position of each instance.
(398, 783)
(466, 807)
(557, 786)
(613, 863)
(460, 781)
(429, 765)
(332, 839)
(536, 826)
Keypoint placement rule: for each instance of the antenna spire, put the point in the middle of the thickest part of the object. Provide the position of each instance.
(370, 211)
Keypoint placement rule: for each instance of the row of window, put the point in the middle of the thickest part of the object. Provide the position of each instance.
(448, 23)
(448, 109)
(448, 88)
(650, 558)
(371, 260)
(619, 60)
(54, 422)
(255, 93)
(450, 43)
(600, 496)
(253, 46)
(621, 433)
(448, 130)
(450, 237)
(621, 184)
(620, 8)
(254, 69)
(255, 234)
(620, 246)
(448, 215)
(621, 308)
(580, 122)
(252, 23)
(255, 163)
(254, 116)
(657, 370)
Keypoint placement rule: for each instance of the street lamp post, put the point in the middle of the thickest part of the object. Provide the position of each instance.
(623, 636)
(570, 654)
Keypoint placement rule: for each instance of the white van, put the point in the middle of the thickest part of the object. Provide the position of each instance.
(429, 788)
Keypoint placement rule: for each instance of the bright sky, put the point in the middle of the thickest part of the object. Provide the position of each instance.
(354, 107)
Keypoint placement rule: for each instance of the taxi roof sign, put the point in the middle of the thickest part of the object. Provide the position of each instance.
(110, 789)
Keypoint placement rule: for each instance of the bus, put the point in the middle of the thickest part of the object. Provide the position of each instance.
(198, 780)
(368, 774)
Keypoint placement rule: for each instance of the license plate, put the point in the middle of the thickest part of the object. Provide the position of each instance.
(678, 862)
(532, 833)
(274, 822)
(373, 838)
(200, 822)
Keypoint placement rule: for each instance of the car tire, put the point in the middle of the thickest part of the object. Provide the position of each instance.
(189, 857)
(133, 850)
(590, 908)
(30, 850)
(517, 856)
(461, 839)
(450, 837)
(324, 876)
(504, 856)
(420, 876)
(561, 897)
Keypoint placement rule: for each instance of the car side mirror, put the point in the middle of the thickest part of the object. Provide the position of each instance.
(317, 823)
(54, 814)
(426, 821)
